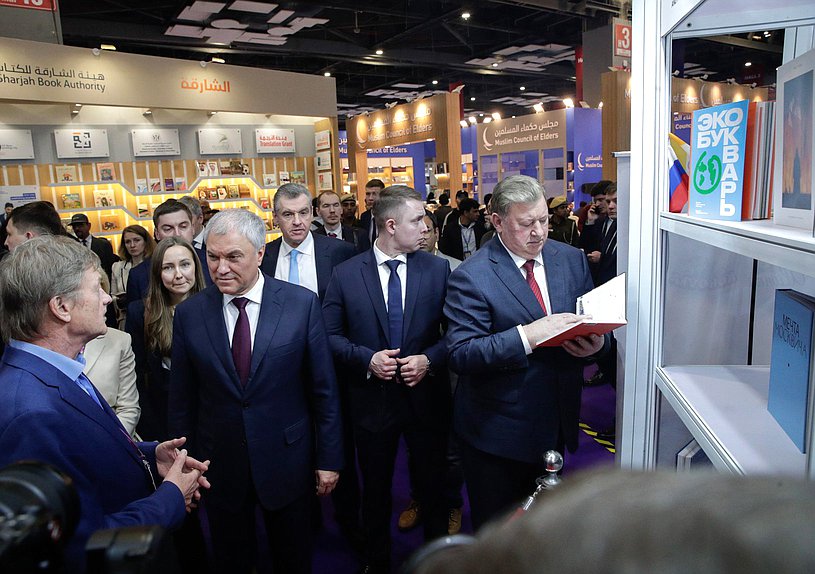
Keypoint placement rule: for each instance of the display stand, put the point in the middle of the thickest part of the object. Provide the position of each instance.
(697, 336)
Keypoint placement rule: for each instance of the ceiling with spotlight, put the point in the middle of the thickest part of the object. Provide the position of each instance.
(508, 54)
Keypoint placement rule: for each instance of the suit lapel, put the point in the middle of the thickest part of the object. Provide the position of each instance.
(504, 267)
(216, 330)
(270, 312)
(412, 290)
(555, 279)
(272, 253)
(370, 276)
(322, 262)
(95, 352)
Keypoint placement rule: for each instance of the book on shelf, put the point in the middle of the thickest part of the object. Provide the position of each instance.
(66, 173)
(718, 148)
(284, 177)
(169, 184)
(758, 161)
(244, 191)
(203, 167)
(105, 171)
(794, 176)
(791, 364)
(103, 198)
(221, 192)
(270, 179)
(212, 169)
(141, 186)
(212, 193)
(155, 185)
(691, 457)
(232, 191)
(180, 184)
(111, 223)
(70, 201)
(298, 177)
(144, 210)
(264, 203)
(604, 311)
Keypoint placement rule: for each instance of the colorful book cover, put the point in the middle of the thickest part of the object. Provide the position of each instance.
(144, 211)
(141, 186)
(71, 201)
(203, 168)
(66, 173)
(284, 177)
(155, 185)
(264, 203)
(233, 192)
(212, 193)
(791, 363)
(106, 171)
(221, 192)
(270, 179)
(110, 223)
(212, 169)
(169, 184)
(298, 177)
(718, 147)
(103, 198)
(180, 184)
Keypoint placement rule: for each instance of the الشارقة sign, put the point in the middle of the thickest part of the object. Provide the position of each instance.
(717, 161)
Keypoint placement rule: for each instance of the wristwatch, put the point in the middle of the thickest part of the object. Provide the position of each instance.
(427, 368)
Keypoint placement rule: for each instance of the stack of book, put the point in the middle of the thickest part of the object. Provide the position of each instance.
(758, 168)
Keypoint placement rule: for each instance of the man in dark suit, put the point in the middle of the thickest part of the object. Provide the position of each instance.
(299, 256)
(366, 221)
(599, 239)
(515, 401)
(314, 261)
(383, 312)
(4, 217)
(462, 236)
(252, 387)
(99, 245)
(329, 210)
(51, 305)
(171, 218)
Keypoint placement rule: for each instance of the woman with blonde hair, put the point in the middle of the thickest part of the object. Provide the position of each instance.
(175, 275)
(135, 247)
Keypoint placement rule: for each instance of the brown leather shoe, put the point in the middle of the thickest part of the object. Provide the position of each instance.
(410, 516)
(454, 521)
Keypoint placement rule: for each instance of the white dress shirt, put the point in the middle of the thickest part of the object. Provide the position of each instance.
(306, 263)
(540, 277)
(385, 272)
(198, 240)
(255, 296)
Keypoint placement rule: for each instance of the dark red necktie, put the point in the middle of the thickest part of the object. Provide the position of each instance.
(332, 234)
(529, 267)
(242, 341)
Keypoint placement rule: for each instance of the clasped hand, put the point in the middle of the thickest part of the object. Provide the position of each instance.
(385, 364)
(186, 472)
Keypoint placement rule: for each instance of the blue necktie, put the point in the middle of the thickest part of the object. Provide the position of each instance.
(294, 272)
(395, 314)
(86, 386)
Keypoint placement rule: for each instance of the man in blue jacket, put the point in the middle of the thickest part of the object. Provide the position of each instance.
(51, 304)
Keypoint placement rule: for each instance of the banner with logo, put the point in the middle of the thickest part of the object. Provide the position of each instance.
(80, 143)
(219, 141)
(273, 140)
(16, 144)
(155, 142)
(538, 131)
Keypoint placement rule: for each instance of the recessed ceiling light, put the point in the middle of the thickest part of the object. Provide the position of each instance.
(568, 102)
(435, 82)
(110, 47)
(217, 60)
(538, 107)
(748, 64)
(380, 52)
(463, 123)
(327, 74)
(465, 15)
(523, 88)
(487, 120)
(495, 64)
(496, 116)
(472, 120)
(472, 99)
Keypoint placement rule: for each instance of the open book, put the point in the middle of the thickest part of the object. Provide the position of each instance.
(606, 307)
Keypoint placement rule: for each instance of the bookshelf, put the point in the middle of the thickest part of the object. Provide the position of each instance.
(710, 271)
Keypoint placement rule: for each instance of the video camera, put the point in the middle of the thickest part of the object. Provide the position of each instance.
(39, 512)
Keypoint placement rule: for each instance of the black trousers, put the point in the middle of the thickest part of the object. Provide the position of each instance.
(288, 530)
(377, 455)
(496, 486)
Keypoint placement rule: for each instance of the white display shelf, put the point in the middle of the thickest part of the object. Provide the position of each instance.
(762, 240)
(725, 409)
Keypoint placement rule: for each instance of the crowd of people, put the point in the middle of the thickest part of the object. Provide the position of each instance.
(253, 376)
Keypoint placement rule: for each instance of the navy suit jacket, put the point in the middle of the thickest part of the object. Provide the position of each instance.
(507, 403)
(357, 323)
(45, 416)
(104, 250)
(269, 433)
(138, 282)
(328, 253)
(354, 235)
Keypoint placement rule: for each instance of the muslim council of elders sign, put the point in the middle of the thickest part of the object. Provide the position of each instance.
(538, 131)
(30, 4)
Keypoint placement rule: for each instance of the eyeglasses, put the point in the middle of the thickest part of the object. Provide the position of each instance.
(290, 215)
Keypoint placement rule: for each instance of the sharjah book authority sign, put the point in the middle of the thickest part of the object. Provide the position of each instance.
(270, 140)
(155, 142)
(16, 144)
(79, 143)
